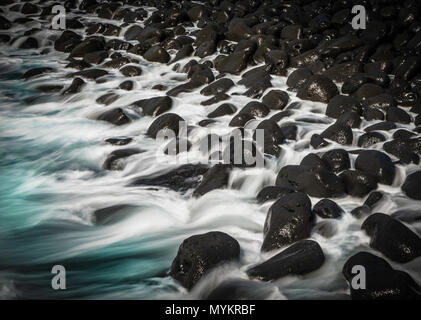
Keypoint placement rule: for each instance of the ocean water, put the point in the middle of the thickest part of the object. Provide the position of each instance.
(51, 155)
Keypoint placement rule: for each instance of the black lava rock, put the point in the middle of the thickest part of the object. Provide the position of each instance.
(376, 164)
(115, 116)
(411, 186)
(168, 121)
(154, 106)
(318, 88)
(328, 209)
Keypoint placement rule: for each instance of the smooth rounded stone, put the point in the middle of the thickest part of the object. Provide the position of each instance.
(198, 254)
(218, 87)
(107, 98)
(339, 133)
(298, 78)
(382, 281)
(272, 136)
(180, 179)
(277, 58)
(381, 126)
(112, 161)
(318, 142)
(403, 134)
(406, 150)
(397, 115)
(407, 216)
(154, 106)
(373, 199)
(381, 102)
(75, 86)
(288, 220)
(376, 164)
(343, 71)
(95, 57)
(133, 32)
(117, 44)
(313, 160)
(119, 141)
(392, 238)
(316, 182)
(361, 211)
(358, 183)
(411, 186)
(5, 24)
(276, 99)
(289, 131)
(29, 43)
(366, 91)
(328, 209)
(272, 193)
(371, 114)
(205, 49)
(243, 290)
(223, 110)
(216, 178)
(215, 99)
(326, 228)
(78, 64)
(233, 63)
(168, 121)
(31, 73)
(126, 85)
(29, 8)
(336, 160)
(186, 51)
(281, 115)
(49, 88)
(131, 71)
(350, 119)
(300, 258)
(115, 116)
(370, 138)
(318, 88)
(305, 59)
(409, 68)
(341, 104)
(91, 74)
(292, 32)
(157, 54)
(255, 109)
(88, 46)
(239, 120)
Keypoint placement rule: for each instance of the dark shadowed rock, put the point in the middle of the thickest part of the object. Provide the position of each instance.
(318, 88)
(317, 141)
(272, 193)
(154, 106)
(339, 133)
(168, 121)
(276, 99)
(336, 160)
(131, 71)
(216, 178)
(358, 183)
(92, 74)
(255, 109)
(75, 86)
(198, 254)
(412, 185)
(300, 258)
(288, 220)
(370, 138)
(223, 110)
(298, 78)
(112, 214)
(328, 209)
(115, 116)
(87, 46)
(157, 54)
(392, 238)
(240, 120)
(217, 87)
(111, 163)
(382, 281)
(376, 164)
(340, 104)
(31, 73)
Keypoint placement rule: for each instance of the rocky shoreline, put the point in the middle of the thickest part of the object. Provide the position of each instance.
(367, 84)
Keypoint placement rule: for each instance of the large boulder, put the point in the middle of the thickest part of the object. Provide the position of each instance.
(289, 220)
(154, 106)
(157, 54)
(316, 182)
(318, 88)
(382, 282)
(336, 160)
(376, 164)
(199, 254)
(339, 133)
(328, 209)
(358, 183)
(300, 258)
(412, 185)
(276, 99)
(392, 238)
(168, 121)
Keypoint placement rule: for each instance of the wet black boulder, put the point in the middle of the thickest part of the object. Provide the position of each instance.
(223, 110)
(276, 99)
(376, 164)
(392, 238)
(216, 178)
(115, 116)
(88, 46)
(382, 281)
(298, 78)
(318, 88)
(289, 220)
(300, 258)
(111, 163)
(168, 121)
(198, 254)
(271, 193)
(339, 133)
(370, 138)
(154, 106)
(412, 185)
(328, 209)
(341, 104)
(358, 183)
(336, 160)
(157, 54)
